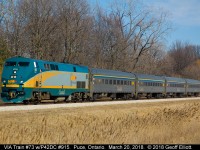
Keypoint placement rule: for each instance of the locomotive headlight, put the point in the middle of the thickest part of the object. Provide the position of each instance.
(14, 76)
(21, 81)
(4, 81)
(11, 76)
(14, 71)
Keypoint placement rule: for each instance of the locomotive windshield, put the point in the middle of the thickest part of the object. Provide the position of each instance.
(23, 64)
(10, 63)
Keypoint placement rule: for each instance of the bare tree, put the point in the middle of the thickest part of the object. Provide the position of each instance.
(41, 25)
(2, 13)
(73, 17)
(124, 34)
(192, 71)
(4, 52)
(25, 24)
(15, 21)
(183, 54)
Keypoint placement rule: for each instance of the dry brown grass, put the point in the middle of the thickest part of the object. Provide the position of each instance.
(166, 122)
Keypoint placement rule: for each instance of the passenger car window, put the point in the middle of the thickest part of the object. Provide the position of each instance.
(110, 81)
(106, 81)
(114, 82)
(103, 81)
(125, 82)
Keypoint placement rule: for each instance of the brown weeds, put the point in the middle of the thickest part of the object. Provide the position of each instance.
(167, 122)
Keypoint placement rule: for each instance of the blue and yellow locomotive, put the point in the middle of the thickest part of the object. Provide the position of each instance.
(25, 79)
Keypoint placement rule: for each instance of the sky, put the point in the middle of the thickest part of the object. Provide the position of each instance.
(183, 15)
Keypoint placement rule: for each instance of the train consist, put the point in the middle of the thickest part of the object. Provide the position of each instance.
(30, 80)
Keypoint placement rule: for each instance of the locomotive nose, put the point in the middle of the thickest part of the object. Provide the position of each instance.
(12, 78)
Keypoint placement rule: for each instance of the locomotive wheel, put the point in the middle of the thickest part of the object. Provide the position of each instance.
(55, 101)
(74, 99)
(149, 96)
(66, 99)
(113, 98)
(36, 101)
(25, 102)
(88, 98)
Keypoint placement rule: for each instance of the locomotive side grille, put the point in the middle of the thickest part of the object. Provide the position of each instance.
(80, 84)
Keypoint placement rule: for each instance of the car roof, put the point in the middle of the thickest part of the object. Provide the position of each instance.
(111, 72)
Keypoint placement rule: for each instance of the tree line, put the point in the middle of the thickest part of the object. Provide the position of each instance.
(128, 36)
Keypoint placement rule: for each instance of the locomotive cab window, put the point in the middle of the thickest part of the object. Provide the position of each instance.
(74, 69)
(10, 63)
(46, 67)
(56, 67)
(52, 66)
(23, 64)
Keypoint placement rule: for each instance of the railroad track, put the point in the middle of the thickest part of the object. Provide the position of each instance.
(61, 101)
(51, 102)
(86, 104)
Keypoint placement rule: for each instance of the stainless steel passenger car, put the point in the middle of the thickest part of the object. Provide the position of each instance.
(110, 83)
(175, 87)
(150, 86)
(193, 87)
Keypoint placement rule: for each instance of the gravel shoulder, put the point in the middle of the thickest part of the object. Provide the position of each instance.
(89, 104)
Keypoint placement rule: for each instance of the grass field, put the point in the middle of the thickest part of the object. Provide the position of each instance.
(166, 123)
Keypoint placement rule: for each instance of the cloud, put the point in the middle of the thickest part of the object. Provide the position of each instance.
(182, 12)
